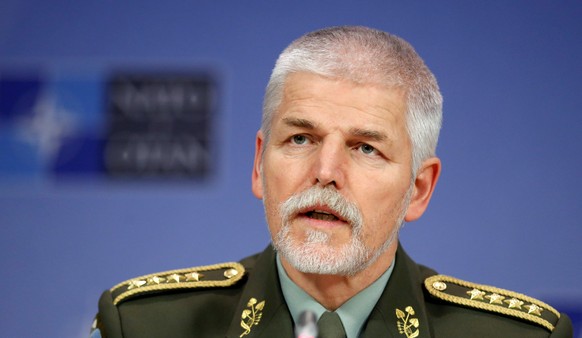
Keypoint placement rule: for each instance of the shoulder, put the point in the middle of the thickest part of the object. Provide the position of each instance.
(499, 305)
(221, 275)
(199, 278)
(150, 305)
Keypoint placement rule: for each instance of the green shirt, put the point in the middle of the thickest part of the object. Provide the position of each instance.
(352, 313)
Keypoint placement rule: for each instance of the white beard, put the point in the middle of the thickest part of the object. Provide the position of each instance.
(316, 254)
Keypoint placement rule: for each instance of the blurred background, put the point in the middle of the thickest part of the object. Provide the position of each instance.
(127, 138)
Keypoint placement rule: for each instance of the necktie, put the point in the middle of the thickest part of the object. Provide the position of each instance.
(330, 326)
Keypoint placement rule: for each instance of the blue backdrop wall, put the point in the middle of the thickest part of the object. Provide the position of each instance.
(506, 212)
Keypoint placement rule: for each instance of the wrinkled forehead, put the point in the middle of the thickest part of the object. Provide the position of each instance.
(383, 95)
(307, 95)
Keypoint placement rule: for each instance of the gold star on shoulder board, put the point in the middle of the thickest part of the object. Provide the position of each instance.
(155, 280)
(194, 276)
(174, 278)
(136, 283)
(534, 309)
(476, 294)
(495, 299)
(514, 303)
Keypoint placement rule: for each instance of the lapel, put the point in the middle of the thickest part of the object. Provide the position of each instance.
(401, 304)
(272, 318)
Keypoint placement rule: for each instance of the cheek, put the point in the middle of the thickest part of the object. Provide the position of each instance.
(380, 218)
(274, 195)
(271, 214)
(284, 179)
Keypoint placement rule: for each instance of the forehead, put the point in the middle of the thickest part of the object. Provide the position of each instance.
(314, 95)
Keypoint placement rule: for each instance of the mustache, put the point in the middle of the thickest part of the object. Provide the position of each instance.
(322, 196)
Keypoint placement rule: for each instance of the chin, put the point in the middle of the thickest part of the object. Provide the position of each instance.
(315, 254)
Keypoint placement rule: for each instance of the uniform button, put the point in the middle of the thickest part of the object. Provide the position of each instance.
(441, 286)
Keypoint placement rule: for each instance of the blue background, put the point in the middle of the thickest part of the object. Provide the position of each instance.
(506, 211)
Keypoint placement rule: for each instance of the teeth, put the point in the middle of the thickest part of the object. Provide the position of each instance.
(322, 212)
(322, 215)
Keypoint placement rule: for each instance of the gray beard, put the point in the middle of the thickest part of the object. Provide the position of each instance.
(316, 254)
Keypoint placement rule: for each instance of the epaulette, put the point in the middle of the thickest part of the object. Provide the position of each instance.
(217, 275)
(492, 299)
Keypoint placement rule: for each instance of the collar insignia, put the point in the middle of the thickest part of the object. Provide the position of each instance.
(406, 324)
(251, 316)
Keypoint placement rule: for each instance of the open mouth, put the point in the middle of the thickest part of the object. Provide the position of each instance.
(322, 215)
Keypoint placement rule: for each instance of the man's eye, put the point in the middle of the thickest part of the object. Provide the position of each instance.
(299, 139)
(367, 149)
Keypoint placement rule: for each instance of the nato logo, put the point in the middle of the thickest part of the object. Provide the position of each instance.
(49, 124)
(128, 125)
(159, 125)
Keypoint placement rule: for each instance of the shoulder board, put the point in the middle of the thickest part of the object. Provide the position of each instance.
(492, 299)
(217, 275)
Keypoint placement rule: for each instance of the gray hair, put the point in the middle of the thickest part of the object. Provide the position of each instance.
(365, 56)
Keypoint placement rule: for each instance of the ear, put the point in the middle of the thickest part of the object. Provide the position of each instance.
(257, 179)
(424, 184)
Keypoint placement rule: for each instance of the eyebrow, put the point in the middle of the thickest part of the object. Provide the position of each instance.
(299, 123)
(369, 134)
(358, 132)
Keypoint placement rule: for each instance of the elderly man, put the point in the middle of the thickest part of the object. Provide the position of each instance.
(345, 155)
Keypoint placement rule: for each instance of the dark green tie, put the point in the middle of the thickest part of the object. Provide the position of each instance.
(330, 326)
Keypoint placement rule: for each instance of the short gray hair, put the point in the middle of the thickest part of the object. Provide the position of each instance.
(366, 56)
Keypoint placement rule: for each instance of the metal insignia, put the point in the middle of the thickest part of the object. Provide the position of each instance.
(406, 324)
(251, 316)
(493, 299)
(230, 273)
(476, 294)
(441, 286)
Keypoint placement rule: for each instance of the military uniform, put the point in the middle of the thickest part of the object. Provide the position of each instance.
(245, 300)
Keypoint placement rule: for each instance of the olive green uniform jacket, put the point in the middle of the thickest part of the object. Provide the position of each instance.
(245, 300)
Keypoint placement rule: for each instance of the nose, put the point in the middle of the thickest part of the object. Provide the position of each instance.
(330, 165)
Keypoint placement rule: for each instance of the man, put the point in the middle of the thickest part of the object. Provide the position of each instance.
(345, 155)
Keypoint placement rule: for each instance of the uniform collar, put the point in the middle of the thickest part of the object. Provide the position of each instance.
(403, 293)
(401, 305)
(353, 313)
(262, 285)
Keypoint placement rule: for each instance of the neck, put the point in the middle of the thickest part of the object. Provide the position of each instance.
(331, 291)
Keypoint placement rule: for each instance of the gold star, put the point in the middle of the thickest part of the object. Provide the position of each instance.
(174, 278)
(514, 303)
(155, 280)
(194, 276)
(536, 310)
(136, 283)
(495, 299)
(476, 294)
